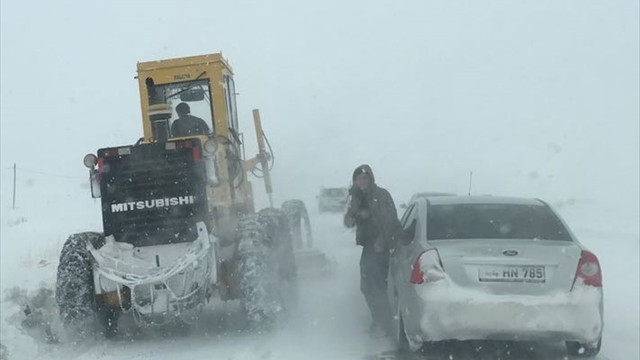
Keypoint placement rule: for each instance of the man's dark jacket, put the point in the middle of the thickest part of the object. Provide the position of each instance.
(187, 125)
(374, 212)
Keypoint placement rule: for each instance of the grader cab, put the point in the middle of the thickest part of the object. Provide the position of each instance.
(205, 84)
(179, 219)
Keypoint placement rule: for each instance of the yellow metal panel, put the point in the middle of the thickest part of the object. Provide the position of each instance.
(228, 201)
(184, 62)
(220, 105)
(170, 71)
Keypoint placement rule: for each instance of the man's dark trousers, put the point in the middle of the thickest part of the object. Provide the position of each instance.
(374, 267)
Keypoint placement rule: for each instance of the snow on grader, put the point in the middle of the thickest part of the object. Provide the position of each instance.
(179, 224)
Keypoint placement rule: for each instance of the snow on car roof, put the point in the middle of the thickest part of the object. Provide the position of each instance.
(482, 199)
(431, 194)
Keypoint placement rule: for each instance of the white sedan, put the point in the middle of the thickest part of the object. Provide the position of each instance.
(493, 268)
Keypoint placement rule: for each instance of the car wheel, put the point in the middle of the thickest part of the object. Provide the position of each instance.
(575, 348)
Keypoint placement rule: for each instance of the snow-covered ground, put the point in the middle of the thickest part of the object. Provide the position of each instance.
(329, 323)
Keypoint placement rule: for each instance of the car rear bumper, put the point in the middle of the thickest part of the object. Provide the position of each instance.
(449, 313)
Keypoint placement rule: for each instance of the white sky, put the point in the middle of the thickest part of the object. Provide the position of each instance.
(537, 98)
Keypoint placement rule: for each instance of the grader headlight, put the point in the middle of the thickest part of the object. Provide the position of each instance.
(210, 147)
(90, 161)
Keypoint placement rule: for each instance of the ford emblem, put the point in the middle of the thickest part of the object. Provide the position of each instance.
(510, 252)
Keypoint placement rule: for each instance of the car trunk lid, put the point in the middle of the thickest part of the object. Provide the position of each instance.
(500, 266)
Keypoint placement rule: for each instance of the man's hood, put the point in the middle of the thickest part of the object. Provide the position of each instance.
(364, 168)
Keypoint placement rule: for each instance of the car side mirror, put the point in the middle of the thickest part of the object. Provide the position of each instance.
(409, 233)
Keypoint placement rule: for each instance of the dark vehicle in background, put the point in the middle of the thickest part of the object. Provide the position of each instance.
(493, 268)
(333, 199)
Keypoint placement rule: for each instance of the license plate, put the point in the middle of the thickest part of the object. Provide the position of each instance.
(528, 274)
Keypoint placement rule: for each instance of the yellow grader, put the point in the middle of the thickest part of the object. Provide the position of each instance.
(179, 224)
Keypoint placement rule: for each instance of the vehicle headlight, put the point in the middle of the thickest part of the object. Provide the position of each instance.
(90, 161)
(210, 147)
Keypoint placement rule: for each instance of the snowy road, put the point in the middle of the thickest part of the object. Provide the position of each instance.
(329, 323)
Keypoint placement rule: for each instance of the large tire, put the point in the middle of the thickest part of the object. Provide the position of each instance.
(75, 293)
(257, 272)
(277, 226)
(285, 262)
(583, 350)
(298, 218)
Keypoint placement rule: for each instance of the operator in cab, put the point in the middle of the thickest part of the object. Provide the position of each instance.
(187, 124)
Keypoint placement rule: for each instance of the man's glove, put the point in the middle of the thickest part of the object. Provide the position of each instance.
(349, 221)
(363, 214)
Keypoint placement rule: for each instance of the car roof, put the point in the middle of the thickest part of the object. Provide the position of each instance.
(431, 193)
(482, 199)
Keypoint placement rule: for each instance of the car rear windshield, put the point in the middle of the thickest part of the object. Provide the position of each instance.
(494, 221)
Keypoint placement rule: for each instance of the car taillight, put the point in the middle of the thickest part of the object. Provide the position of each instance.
(110, 152)
(196, 154)
(588, 271)
(427, 268)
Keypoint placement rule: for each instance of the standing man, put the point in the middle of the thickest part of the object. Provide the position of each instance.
(374, 214)
(187, 124)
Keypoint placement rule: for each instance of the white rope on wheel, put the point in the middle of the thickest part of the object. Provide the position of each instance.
(137, 275)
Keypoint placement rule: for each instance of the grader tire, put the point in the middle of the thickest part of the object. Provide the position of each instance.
(280, 239)
(282, 248)
(298, 219)
(256, 270)
(74, 285)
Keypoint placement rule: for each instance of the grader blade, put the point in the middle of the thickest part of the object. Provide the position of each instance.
(312, 263)
(309, 261)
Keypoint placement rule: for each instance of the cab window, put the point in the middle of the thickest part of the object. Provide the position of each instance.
(230, 99)
(191, 98)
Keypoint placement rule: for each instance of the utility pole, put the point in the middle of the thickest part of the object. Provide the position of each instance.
(14, 186)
